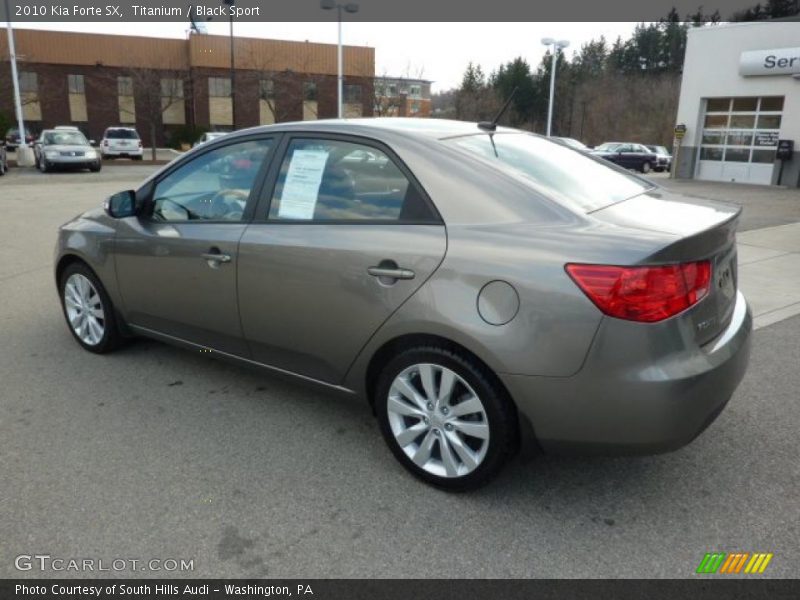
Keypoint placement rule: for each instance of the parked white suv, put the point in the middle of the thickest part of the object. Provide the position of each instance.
(121, 141)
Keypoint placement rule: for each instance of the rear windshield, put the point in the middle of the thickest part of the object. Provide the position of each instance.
(122, 134)
(559, 172)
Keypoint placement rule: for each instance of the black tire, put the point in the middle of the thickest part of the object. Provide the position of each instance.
(96, 167)
(44, 166)
(111, 338)
(646, 167)
(500, 412)
(3, 168)
(137, 158)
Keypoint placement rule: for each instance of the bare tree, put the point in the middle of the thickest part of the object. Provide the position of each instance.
(155, 92)
(389, 97)
(27, 96)
(385, 102)
(282, 89)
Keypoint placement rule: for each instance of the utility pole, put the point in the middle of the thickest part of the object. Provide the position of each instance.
(230, 4)
(23, 143)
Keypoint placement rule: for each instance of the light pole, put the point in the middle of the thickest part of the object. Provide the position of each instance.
(229, 4)
(351, 8)
(22, 154)
(556, 45)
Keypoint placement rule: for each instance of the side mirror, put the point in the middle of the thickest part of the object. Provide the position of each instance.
(92, 143)
(121, 205)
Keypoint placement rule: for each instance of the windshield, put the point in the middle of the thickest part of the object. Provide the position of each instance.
(122, 134)
(566, 175)
(608, 146)
(65, 138)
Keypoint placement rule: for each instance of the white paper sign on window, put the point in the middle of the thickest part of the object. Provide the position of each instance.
(301, 189)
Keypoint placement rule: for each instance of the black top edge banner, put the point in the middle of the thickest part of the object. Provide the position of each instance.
(388, 589)
(31, 11)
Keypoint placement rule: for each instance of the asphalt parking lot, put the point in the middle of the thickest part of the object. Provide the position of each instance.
(157, 452)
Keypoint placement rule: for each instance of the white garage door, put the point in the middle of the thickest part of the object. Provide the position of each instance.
(740, 137)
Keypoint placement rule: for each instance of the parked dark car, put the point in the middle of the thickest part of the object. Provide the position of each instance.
(628, 155)
(12, 138)
(664, 158)
(3, 159)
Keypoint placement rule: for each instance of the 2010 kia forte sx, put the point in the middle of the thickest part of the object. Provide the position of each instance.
(473, 283)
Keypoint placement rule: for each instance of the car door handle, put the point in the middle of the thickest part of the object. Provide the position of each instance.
(390, 273)
(216, 257)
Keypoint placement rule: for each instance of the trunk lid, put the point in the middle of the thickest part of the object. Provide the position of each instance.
(698, 230)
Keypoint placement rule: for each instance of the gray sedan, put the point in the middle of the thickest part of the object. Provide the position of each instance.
(65, 148)
(474, 285)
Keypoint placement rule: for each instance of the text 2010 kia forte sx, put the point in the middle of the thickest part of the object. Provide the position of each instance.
(464, 279)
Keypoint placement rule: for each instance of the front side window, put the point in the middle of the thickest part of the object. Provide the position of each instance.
(559, 172)
(215, 186)
(331, 180)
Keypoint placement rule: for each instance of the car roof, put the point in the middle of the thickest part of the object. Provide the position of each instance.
(376, 127)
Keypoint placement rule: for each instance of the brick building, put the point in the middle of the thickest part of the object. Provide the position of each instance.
(165, 86)
(402, 97)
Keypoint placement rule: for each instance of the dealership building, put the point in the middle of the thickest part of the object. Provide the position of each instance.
(94, 81)
(740, 101)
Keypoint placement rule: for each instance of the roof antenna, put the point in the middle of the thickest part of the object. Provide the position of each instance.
(492, 125)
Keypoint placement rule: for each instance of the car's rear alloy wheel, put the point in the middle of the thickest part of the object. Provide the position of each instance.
(88, 309)
(645, 167)
(444, 418)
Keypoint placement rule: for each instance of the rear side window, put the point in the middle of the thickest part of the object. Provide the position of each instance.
(122, 134)
(557, 171)
(333, 180)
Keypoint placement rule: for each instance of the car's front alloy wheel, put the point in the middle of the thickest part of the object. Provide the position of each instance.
(84, 309)
(445, 418)
(88, 309)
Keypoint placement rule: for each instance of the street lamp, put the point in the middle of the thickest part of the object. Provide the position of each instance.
(23, 154)
(229, 4)
(351, 8)
(557, 45)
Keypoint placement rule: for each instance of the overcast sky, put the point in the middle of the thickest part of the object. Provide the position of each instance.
(440, 51)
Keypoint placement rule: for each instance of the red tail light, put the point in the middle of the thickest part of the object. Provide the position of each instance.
(646, 294)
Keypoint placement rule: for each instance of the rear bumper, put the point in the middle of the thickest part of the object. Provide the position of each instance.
(128, 152)
(618, 404)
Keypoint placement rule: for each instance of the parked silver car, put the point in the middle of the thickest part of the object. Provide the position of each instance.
(474, 286)
(66, 148)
